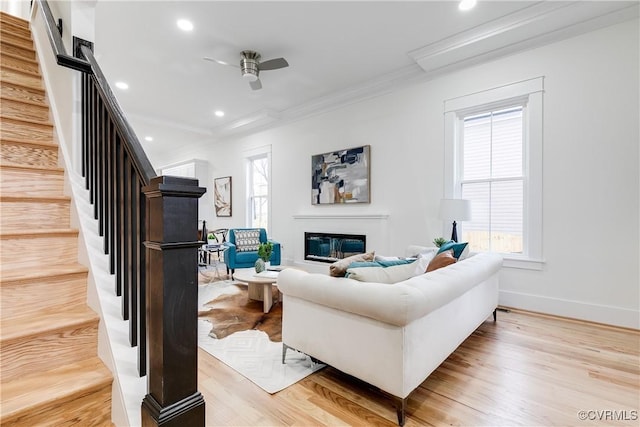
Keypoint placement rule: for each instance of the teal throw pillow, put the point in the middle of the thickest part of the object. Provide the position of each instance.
(380, 263)
(360, 264)
(458, 248)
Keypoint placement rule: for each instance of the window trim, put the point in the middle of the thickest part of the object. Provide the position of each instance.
(529, 94)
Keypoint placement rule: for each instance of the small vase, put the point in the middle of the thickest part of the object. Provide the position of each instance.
(259, 265)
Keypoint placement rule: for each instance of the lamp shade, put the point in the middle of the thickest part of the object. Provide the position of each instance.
(455, 209)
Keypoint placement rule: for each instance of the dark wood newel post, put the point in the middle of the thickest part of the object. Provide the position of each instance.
(172, 396)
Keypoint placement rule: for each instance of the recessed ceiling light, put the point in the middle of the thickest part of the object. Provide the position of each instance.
(219, 113)
(148, 138)
(122, 85)
(467, 4)
(185, 25)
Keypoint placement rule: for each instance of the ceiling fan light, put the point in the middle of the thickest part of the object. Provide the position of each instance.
(465, 5)
(250, 77)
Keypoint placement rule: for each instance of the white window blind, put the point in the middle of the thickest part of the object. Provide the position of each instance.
(492, 178)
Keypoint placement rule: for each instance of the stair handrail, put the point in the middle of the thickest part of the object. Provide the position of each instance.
(62, 58)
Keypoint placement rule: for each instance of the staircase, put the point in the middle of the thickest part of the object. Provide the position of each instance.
(50, 373)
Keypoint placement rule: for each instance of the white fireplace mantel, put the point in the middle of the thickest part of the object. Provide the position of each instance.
(342, 216)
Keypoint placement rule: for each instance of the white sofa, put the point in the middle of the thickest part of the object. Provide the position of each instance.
(391, 336)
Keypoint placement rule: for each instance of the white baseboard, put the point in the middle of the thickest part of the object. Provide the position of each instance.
(609, 315)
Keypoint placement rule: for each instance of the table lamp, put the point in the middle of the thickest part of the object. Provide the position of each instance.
(455, 209)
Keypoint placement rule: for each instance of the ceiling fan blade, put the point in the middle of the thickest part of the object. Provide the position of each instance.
(206, 58)
(273, 64)
(256, 85)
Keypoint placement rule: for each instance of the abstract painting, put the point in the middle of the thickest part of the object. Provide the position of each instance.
(341, 176)
(222, 196)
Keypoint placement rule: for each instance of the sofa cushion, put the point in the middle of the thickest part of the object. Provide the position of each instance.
(441, 260)
(339, 268)
(458, 248)
(247, 240)
(392, 274)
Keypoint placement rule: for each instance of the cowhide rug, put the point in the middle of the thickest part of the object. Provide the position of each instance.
(229, 313)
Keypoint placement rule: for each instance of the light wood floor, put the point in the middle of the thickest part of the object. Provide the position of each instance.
(526, 369)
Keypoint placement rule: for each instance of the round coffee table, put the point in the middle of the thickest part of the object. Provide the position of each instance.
(260, 288)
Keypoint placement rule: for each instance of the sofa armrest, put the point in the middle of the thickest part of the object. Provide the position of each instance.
(276, 253)
(229, 254)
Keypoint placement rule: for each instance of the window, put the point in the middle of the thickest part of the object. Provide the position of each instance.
(258, 191)
(493, 157)
(491, 177)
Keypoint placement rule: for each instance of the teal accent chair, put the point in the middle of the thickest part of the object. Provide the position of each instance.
(237, 259)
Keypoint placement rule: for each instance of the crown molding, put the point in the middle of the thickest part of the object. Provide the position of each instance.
(539, 24)
(162, 122)
(260, 118)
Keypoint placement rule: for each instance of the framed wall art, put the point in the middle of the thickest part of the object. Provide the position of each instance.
(222, 196)
(341, 176)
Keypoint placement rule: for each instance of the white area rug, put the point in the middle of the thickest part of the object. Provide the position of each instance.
(251, 353)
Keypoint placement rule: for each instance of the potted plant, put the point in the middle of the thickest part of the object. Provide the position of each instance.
(439, 241)
(212, 239)
(264, 254)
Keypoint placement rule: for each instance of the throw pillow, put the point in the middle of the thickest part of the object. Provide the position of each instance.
(423, 262)
(441, 260)
(393, 274)
(457, 248)
(339, 268)
(381, 263)
(247, 240)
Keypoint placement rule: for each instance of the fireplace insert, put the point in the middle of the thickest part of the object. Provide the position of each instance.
(330, 247)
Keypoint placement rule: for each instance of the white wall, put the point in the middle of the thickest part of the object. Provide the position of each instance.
(591, 182)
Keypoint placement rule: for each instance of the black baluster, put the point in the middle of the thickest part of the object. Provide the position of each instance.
(126, 236)
(142, 288)
(133, 256)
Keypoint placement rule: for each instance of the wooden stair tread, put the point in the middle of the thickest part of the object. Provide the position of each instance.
(9, 75)
(21, 36)
(33, 199)
(44, 271)
(29, 88)
(61, 385)
(43, 169)
(4, 98)
(19, 40)
(21, 58)
(47, 124)
(24, 94)
(45, 144)
(30, 234)
(15, 27)
(21, 70)
(41, 321)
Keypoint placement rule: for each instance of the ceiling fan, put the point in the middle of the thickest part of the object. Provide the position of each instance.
(250, 66)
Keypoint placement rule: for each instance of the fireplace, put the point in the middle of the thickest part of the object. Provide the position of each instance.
(330, 247)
